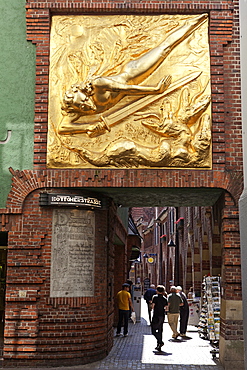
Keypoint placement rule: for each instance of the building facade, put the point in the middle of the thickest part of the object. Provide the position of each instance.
(184, 246)
(67, 182)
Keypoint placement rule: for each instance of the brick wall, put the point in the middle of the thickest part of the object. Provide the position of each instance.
(45, 329)
(32, 324)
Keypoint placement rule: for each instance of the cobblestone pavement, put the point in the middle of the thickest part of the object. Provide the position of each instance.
(137, 351)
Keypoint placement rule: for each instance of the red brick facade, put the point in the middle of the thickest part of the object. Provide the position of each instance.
(42, 330)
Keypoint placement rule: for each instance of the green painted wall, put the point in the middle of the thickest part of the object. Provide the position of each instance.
(17, 81)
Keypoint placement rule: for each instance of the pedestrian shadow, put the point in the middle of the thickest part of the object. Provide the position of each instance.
(173, 340)
(179, 340)
(162, 353)
(144, 321)
(186, 338)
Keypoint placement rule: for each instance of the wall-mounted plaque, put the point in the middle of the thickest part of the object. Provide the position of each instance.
(73, 248)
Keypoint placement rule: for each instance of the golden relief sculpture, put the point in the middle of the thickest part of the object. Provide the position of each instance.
(129, 92)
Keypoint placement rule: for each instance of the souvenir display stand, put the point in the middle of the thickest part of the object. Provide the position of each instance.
(209, 323)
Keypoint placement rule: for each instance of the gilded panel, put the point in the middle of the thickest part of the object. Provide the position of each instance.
(129, 91)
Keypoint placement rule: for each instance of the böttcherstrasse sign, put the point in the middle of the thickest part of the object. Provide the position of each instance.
(73, 200)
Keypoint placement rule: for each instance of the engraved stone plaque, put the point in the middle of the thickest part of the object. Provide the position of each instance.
(72, 260)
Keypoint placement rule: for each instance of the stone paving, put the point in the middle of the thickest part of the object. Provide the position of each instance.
(137, 351)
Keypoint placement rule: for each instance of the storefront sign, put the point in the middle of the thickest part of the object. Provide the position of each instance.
(69, 200)
(146, 283)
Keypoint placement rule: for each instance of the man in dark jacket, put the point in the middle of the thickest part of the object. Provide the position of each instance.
(148, 295)
(159, 302)
(184, 312)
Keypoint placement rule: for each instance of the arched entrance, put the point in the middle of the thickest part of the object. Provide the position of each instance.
(109, 244)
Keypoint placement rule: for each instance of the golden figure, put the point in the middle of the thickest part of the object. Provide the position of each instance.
(100, 93)
(108, 100)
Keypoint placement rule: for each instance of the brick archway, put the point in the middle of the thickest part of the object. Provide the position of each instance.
(24, 182)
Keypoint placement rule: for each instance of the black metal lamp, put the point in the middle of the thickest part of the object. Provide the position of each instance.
(171, 244)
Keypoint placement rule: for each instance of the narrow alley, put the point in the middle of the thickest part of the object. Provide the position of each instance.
(137, 351)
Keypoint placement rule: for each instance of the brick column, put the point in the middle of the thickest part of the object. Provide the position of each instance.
(231, 333)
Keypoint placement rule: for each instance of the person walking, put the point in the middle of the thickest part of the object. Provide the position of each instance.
(148, 295)
(124, 303)
(184, 312)
(174, 303)
(159, 302)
